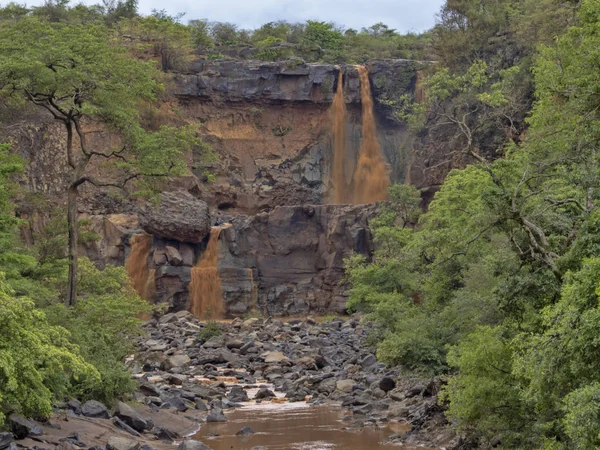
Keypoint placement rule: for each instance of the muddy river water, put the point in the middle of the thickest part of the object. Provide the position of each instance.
(296, 426)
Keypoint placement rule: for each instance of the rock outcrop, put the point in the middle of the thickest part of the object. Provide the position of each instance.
(287, 261)
(285, 81)
(179, 216)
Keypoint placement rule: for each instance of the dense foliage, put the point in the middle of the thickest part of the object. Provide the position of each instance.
(497, 285)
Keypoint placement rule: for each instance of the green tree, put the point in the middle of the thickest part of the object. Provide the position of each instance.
(79, 73)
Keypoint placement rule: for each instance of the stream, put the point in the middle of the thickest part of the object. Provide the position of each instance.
(291, 426)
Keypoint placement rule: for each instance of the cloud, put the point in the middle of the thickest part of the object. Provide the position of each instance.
(403, 15)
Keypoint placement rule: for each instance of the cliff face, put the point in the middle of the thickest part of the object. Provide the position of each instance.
(270, 126)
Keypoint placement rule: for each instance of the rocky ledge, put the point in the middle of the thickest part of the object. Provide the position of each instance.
(288, 81)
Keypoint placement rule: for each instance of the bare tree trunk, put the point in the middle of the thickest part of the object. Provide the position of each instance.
(71, 297)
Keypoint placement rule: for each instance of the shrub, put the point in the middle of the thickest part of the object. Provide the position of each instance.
(210, 330)
(102, 324)
(38, 361)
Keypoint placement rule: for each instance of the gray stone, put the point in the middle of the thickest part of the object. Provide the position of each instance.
(193, 445)
(345, 386)
(368, 361)
(92, 408)
(131, 417)
(6, 439)
(179, 361)
(246, 431)
(21, 427)
(264, 393)
(120, 443)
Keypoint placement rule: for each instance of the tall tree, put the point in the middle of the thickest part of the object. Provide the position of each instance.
(80, 73)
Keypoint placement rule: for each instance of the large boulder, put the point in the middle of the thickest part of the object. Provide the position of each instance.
(179, 216)
(21, 427)
(131, 417)
(92, 408)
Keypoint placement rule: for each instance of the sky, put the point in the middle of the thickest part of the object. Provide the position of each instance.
(402, 15)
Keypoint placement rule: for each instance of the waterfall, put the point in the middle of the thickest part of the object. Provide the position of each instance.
(370, 180)
(137, 263)
(371, 177)
(206, 295)
(337, 114)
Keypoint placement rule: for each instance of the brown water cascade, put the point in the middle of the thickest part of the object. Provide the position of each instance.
(371, 177)
(137, 263)
(206, 295)
(337, 115)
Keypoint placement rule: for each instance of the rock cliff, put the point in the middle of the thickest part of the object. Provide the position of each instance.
(269, 125)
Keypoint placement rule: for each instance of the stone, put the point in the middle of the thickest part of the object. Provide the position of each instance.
(123, 426)
(368, 361)
(6, 439)
(201, 405)
(120, 443)
(179, 216)
(417, 389)
(131, 417)
(246, 431)
(345, 386)
(387, 384)
(92, 408)
(21, 427)
(165, 433)
(271, 357)
(234, 344)
(193, 445)
(173, 256)
(149, 389)
(176, 379)
(216, 416)
(179, 361)
(264, 393)
(237, 395)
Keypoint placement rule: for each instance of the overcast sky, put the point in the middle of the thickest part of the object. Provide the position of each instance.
(402, 15)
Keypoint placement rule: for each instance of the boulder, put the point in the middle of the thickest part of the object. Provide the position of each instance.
(368, 361)
(120, 443)
(345, 386)
(6, 439)
(131, 417)
(237, 395)
(179, 216)
(165, 433)
(92, 408)
(21, 427)
(178, 361)
(387, 384)
(216, 416)
(264, 393)
(193, 445)
(271, 357)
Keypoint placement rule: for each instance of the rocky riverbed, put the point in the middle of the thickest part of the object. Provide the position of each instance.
(254, 370)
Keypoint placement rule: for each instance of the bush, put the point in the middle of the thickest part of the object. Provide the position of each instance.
(38, 361)
(102, 324)
(210, 330)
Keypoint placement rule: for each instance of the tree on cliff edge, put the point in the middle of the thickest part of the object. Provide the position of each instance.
(79, 73)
